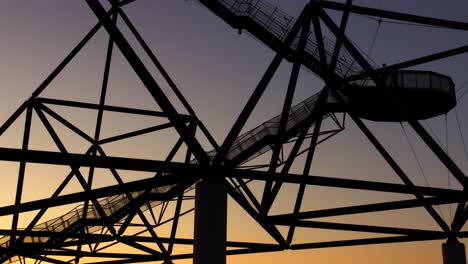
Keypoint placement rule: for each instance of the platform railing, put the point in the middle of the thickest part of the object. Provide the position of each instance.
(297, 114)
(279, 23)
(110, 205)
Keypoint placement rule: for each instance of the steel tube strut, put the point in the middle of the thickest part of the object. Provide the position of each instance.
(253, 100)
(368, 68)
(52, 76)
(339, 37)
(308, 164)
(168, 78)
(21, 174)
(440, 153)
(393, 15)
(286, 109)
(458, 220)
(399, 172)
(367, 208)
(410, 63)
(149, 81)
(184, 172)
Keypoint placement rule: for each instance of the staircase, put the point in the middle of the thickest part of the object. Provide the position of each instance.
(271, 26)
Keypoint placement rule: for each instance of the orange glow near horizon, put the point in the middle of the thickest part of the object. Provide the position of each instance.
(216, 69)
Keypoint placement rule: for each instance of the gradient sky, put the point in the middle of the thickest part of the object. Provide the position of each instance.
(216, 70)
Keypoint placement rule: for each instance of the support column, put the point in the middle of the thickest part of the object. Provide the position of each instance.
(453, 252)
(209, 245)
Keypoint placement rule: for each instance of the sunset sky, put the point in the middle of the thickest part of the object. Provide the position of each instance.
(217, 69)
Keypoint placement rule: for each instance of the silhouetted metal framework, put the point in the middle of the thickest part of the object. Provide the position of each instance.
(107, 215)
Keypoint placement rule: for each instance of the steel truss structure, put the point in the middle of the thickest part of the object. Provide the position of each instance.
(108, 216)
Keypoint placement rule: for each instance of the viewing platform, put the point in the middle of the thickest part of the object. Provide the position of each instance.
(404, 96)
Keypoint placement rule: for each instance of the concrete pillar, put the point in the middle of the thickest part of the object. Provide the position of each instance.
(209, 245)
(453, 252)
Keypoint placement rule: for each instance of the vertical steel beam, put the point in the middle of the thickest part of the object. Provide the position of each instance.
(209, 245)
(453, 252)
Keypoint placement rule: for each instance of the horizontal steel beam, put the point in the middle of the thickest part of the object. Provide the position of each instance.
(97, 193)
(360, 228)
(246, 247)
(393, 15)
(365, 241)
(188, 172)
(110, 108)
(409, 63)
(367, 208)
